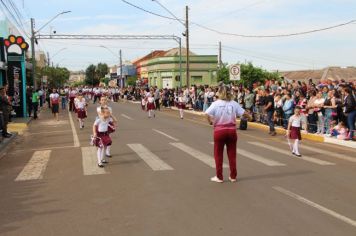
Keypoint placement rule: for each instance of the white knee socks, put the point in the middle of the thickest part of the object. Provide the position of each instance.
(181, 112)
(296, 147)
(108, 150)
(100, 155)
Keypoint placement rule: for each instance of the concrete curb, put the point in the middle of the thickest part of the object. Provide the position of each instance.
(20, 127)
(5, 142)
(282, 131)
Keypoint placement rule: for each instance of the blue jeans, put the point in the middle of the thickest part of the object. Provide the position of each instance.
(351, 123)
(64, 103)
(270, 121)
(328, 119)
(286, 120)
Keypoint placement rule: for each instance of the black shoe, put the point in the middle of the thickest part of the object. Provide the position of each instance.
(108, 156)
(7, 135)
(105, 162)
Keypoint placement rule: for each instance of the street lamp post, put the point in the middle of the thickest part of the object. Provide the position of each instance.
(55, 54)
(33, 40)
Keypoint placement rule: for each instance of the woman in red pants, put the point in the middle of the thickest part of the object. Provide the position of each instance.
(222, 114)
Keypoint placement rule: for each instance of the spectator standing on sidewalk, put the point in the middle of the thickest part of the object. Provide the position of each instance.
(249, 100)
(157, 96)
(318, 109)
(288, 109)
(269, 109)
(222, 113)
(350, 111)
(35, 100)
(330, 110)
(5, 108)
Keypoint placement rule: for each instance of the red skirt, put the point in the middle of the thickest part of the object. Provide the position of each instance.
(103, 139)
(112, 128)
(82, 114)
(150, 106)
(295, 133)
(181, 105)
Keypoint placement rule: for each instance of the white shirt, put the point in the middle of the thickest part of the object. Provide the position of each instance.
(54, 97)
(80, 104)
(150, 99)
(295, 120)
(103, 125)
(225, 113)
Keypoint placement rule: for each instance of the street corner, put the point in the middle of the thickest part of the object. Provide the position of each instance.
(18, 128)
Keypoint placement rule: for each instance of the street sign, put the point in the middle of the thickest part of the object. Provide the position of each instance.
(235, 72)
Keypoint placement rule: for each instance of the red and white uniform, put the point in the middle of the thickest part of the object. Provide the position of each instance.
(80, 105)
(150, 103)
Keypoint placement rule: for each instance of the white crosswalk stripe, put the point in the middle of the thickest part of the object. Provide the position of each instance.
(36, 167)
(305, 158)
(90, 162)
(208, 160)
(257, 158)
(328, 153)
(164, 134)
(150, 158)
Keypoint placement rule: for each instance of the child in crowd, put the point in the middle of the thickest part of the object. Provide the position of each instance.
(340, 131)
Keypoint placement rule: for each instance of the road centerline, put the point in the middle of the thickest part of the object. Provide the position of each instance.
(316, 206)
(167, 135)
(127, 117)
(74, 131)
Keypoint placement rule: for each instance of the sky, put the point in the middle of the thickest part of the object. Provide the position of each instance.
(336, 47)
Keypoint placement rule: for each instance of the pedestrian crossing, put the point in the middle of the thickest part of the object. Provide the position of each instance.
(36, 167)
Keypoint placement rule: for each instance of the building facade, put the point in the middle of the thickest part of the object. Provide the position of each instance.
(163, 70)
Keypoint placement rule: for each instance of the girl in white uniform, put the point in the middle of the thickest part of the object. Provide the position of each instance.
(181, 104)
(81, 108)
(102, 140)
(113, 119)
(293, 131)
(150, 105)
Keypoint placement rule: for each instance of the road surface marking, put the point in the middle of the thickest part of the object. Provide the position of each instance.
(257, 158)
(40, 149)
(90, 162)
(164, 134)
(126, 116)
(305, 158)
(48, 132)
(74, 131)
(315, 205)
(328, 153)
(36, 166)
(197, 154)
(150, 158)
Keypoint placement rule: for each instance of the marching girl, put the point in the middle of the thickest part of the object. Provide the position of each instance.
(151, 105)
(101, 131)
(143, 102)
(181, 104)
(80, 106)
(113, 119)
(293, 132)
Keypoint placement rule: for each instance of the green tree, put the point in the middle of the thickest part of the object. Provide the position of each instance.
(224, 74)
(56, 76)
(91, 77)
(131, 81)
(102, 69)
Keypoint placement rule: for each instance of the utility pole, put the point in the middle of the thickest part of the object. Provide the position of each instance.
(122, 79)
(33, 75)
(48, 62)
(187, 43)
(220, 58)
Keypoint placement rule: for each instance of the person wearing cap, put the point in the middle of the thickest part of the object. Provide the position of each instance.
(5, 108)
(222, 114)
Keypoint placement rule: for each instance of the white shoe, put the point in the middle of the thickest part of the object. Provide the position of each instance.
(216, 179)
(232, 180)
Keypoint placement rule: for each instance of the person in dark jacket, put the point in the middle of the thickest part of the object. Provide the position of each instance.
(350, 111)
(5, 108)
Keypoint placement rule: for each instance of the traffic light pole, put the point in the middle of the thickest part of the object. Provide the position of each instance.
(33, 61)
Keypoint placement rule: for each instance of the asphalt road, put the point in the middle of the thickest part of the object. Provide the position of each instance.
(158, 182)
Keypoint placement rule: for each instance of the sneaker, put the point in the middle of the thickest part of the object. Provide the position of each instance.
(216, 179)
(105, 162)
(108, 155)
(100, 165)
(232, 180)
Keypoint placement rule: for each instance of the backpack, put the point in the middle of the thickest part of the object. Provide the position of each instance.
(243, 124)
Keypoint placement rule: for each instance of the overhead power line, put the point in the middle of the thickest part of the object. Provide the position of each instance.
(245, 35)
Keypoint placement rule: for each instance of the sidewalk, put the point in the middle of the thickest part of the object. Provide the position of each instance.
(282, 131)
